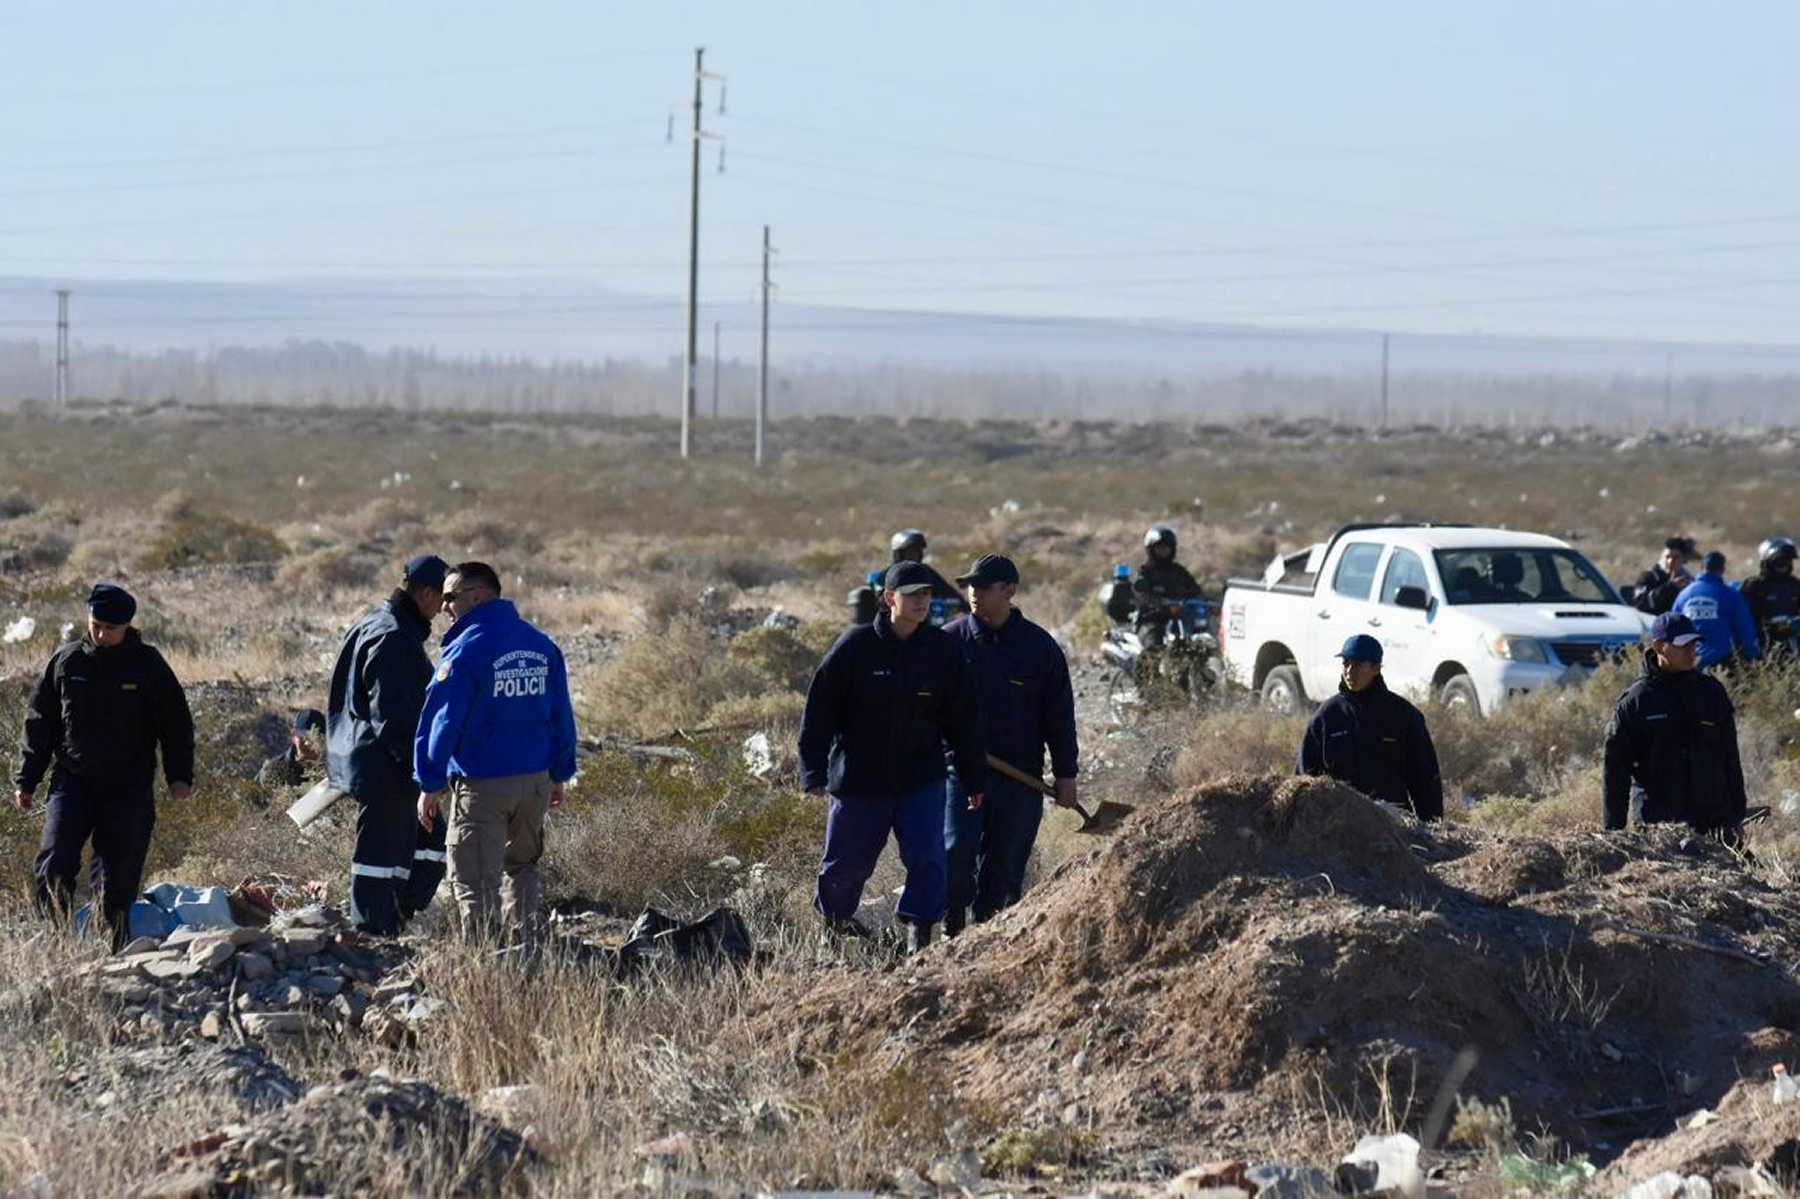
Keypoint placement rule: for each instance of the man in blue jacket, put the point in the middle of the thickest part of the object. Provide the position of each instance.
(882, 705)
(1027, 703)
(496, 744)
(377, 690)
(1720, 614)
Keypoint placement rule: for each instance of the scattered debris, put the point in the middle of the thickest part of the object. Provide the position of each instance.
(19, 630)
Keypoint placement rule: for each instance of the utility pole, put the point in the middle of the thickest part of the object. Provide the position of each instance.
(691, 369)
(1384, 380)
(62, 347)
(762, 375)
(715, 370)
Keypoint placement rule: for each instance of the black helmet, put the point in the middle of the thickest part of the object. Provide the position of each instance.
(906, 539)
(1773, 548)
(1157, 535)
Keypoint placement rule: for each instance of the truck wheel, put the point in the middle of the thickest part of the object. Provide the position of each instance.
(1282, 693)
(1459, 693)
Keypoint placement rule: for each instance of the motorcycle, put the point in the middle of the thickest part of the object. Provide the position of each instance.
(1175, 658)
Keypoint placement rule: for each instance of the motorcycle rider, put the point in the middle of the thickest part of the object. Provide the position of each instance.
(1161, 581)
(1774, 594)
(1657, 587)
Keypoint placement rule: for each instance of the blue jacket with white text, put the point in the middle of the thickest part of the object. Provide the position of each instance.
(498, 704)
(1722, 615)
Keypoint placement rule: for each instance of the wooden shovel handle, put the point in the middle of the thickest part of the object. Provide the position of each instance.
(1036, 784)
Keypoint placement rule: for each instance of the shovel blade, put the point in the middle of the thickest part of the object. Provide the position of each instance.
(1105, 817)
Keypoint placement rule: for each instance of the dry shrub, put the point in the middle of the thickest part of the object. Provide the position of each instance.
(1236, 741)
(475, 533)
(326, 569)
(660, 684)
(186, 536)
(387, 519)
(15, 503)
(776, 655)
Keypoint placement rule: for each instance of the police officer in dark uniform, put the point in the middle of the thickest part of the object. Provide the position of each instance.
(881, 707)
(288, 768)
(104, 707)
(1657, 587)
(377, 691)
(1671, 747)
(1027, 703)
(1774, 594)
(1371, 739)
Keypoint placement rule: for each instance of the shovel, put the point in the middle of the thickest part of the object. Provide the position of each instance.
(1100, 820)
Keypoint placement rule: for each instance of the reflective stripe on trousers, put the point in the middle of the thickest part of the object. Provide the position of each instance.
(380, 871)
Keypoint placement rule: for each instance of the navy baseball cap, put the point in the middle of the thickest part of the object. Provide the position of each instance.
(307, 719)
(1675, 629)
(427, 570)
(111, 604)
(907, 577)
(1361, 648)
(990, 568)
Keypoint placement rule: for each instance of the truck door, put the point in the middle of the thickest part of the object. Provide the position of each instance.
(1342, 607)
(1408, 656)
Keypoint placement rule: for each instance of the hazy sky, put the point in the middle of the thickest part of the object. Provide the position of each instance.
(1602, 169)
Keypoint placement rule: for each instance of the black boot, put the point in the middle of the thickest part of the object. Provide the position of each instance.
(954, 921)
(918, 936)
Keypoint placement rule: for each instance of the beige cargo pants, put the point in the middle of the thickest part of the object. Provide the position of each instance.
(495, 836)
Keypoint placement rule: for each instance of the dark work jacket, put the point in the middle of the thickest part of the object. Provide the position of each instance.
(1672, 752)
(377, 691)
(1027, 701)
(102, 714)
(1164, 581)
(881, 709)
(1771, 595)
(1656, 591)
(1377, 742)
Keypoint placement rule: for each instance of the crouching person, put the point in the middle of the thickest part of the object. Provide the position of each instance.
(496, 743)
(882, 706)
(105, 705)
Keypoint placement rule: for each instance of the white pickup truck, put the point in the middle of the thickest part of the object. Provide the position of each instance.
(1465, 616)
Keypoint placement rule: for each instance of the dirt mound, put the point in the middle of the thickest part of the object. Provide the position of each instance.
(1245, 963)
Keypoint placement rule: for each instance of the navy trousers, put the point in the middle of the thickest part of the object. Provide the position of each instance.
(119, 818)
(988, 849)
(429, 861)
(856, 830)
(387, 837)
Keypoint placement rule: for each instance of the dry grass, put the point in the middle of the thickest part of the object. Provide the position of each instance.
(603, 535)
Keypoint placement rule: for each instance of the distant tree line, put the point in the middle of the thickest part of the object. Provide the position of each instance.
(342, 374)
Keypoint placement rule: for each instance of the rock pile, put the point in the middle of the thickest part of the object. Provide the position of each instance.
(371, 1133)
(305, 975)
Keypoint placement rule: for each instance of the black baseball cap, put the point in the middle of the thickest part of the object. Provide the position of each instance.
(307, 719)
(904, 577)
(988, 569)
(426, 570)
(1675, 629)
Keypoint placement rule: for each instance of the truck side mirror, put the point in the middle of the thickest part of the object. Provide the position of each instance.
(1413, 597)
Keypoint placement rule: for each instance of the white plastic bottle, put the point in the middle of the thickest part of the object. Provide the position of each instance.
(1785, 1089)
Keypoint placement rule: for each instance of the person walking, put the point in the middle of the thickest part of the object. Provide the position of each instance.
(1671, 745)
(1027, 704)
(1720, 614)
(494, 752)
(106, 704)
(377, 692)
(881, 707)
(1371, 739)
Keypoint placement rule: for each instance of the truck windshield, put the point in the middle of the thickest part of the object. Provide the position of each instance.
(1521, 576)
